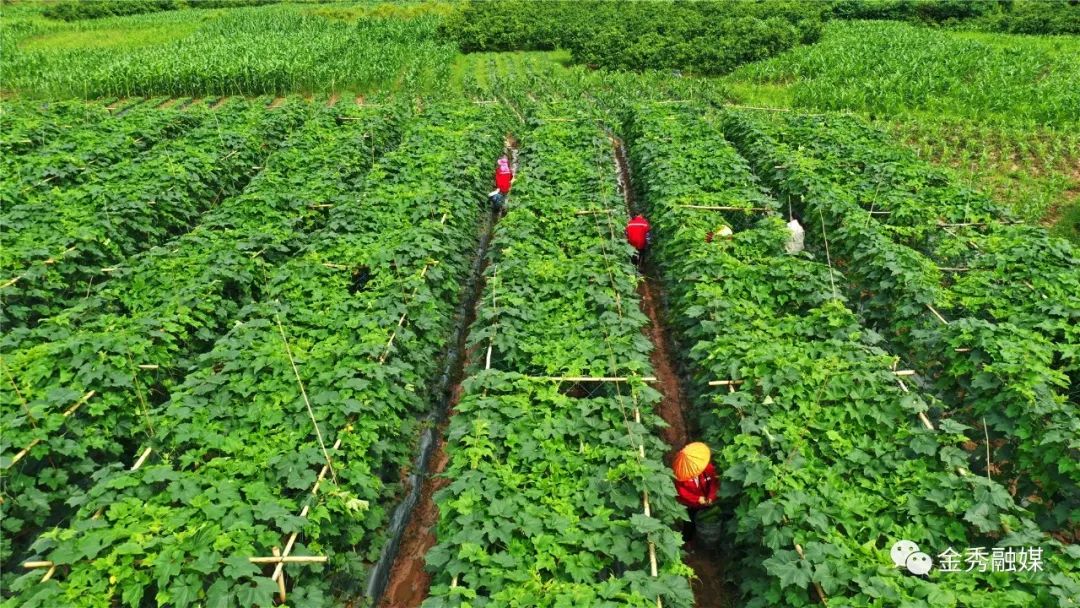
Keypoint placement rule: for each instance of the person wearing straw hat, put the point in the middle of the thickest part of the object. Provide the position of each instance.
(695, 477)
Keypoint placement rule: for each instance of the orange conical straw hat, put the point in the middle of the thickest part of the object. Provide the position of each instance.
(691, 461)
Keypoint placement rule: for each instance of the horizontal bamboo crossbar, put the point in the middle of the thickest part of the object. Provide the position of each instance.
(592, 378)
(897, 372)
(726, 208)
(270, 559)
(67, 413)
(47, 262)
(726, 382)
(291, 559)
(592, 211)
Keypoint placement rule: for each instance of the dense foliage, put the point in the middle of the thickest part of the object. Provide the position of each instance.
(825, 464)
(1004, 353)
(162, 309)
(544, 505)
(236, 456)
(71, 10)
(1012, 16)
(57, 244)
(698, 37)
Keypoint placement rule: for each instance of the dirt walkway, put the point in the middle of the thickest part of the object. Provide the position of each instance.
(709, 584)
(409, 581)
(672, 403)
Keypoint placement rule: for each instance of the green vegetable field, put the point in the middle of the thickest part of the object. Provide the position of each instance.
(269, 338)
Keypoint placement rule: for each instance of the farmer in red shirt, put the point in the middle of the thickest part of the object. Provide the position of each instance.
(695, 476)
(637, 234)
(504, 177)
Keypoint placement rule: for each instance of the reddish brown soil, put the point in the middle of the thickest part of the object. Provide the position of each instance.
(168, 103)
(409, 581)
(276, 103)
(710, 587)
(359, 100)
(219, 102)
(333, 100)
(672, 403)
(710, 590)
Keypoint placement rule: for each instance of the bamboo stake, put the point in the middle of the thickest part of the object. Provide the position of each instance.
(322, 206)
(953, 269)
(281, 581)
(962, 350)
(67, 414)
(937, 314)
(303, 512)
(725, 382)
(725, 208)
(922, 415)
(294, 559)
(149, 366)
(47, 262)
(303, 393)
(817, 587)
(962, 224)
(22, 400)
(592, 211)
(142, 459)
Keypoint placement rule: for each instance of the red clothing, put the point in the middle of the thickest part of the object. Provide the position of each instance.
(691, 490)
(637, 232)
(504, 175)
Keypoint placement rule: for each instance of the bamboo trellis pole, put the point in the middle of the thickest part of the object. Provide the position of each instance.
(303, 393)
(67, 414)
(817, 586)
(897, 372)
(583, 379)
(725, 208)
(47, 262)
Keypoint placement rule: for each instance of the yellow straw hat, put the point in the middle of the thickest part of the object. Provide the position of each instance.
(691, 461)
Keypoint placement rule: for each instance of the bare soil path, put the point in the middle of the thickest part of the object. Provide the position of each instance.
(710, 586)
(409, 581)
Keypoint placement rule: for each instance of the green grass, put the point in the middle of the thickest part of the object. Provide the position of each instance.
(114, 37)
(277, 49)
(1035, 171)
(889, 68)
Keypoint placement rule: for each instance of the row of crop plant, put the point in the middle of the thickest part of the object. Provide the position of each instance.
(995, 338)
(240, 466)
(995, 269)
(26, 125)
(57, 247)
(84, 152)
(825, 461)
(133, 341)
(557, 493)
